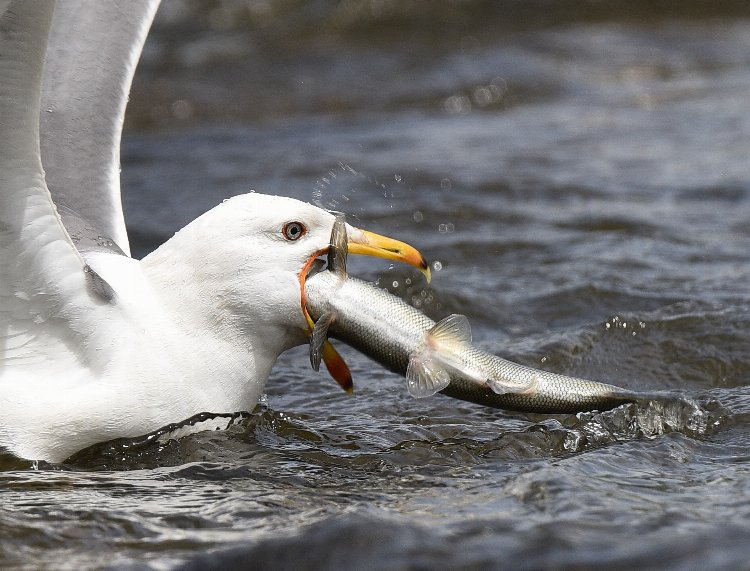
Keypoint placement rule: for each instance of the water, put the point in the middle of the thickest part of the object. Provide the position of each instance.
(578, 171)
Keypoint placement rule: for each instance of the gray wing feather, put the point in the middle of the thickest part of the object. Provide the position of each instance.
(93, 50)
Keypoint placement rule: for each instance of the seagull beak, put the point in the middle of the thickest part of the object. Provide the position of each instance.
(371, 244)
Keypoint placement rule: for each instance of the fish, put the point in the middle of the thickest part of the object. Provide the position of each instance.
(435, 357)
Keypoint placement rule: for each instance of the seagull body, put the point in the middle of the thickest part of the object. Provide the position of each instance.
(95, 345)
(193, 327)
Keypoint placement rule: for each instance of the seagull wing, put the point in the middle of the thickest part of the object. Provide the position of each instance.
(93, 50)
(44, 291)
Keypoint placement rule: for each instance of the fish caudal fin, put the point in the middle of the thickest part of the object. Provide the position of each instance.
(337, 367)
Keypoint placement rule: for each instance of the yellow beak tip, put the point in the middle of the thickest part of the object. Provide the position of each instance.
(426, 271)
(371, 244)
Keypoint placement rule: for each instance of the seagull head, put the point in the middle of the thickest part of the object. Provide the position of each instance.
(245, 261)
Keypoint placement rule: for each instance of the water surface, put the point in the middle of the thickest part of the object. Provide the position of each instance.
(578, 174)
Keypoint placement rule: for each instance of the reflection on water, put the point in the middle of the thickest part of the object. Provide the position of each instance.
(578, 171)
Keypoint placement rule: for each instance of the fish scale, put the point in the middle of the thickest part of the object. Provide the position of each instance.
(390, 331)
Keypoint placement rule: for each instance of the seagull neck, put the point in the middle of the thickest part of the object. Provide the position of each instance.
(195, 299)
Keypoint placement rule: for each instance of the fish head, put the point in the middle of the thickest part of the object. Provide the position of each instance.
(345, 239)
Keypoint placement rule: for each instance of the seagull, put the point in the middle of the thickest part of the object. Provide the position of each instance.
(96, 345)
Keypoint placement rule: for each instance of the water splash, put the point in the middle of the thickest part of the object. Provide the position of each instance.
(649, 418)
(340, 185)
(344, 188)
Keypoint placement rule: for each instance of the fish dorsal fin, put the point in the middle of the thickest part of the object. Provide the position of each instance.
(338, 249)
(452, 332)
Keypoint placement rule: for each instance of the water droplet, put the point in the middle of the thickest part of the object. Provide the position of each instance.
(499, 85)
(263, 401)
(457, 104)
(437, 266)
(182, 109)
(397, 177)
(483, 96)
(418, 216)
(395, 283)
(445, 184)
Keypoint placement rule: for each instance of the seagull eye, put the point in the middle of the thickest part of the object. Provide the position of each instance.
(293, 231)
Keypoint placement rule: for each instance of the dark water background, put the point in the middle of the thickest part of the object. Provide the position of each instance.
(579, 173)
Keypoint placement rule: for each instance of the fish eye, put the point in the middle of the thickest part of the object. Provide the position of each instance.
(293, 230)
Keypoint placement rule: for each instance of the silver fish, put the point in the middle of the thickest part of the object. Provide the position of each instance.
(435, 357)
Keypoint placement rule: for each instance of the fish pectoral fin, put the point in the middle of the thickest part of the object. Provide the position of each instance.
(427, 372)
(503, 387)
(451, 334)
(337, 367)
(425, 376)
(319, 337)
(322, 350)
